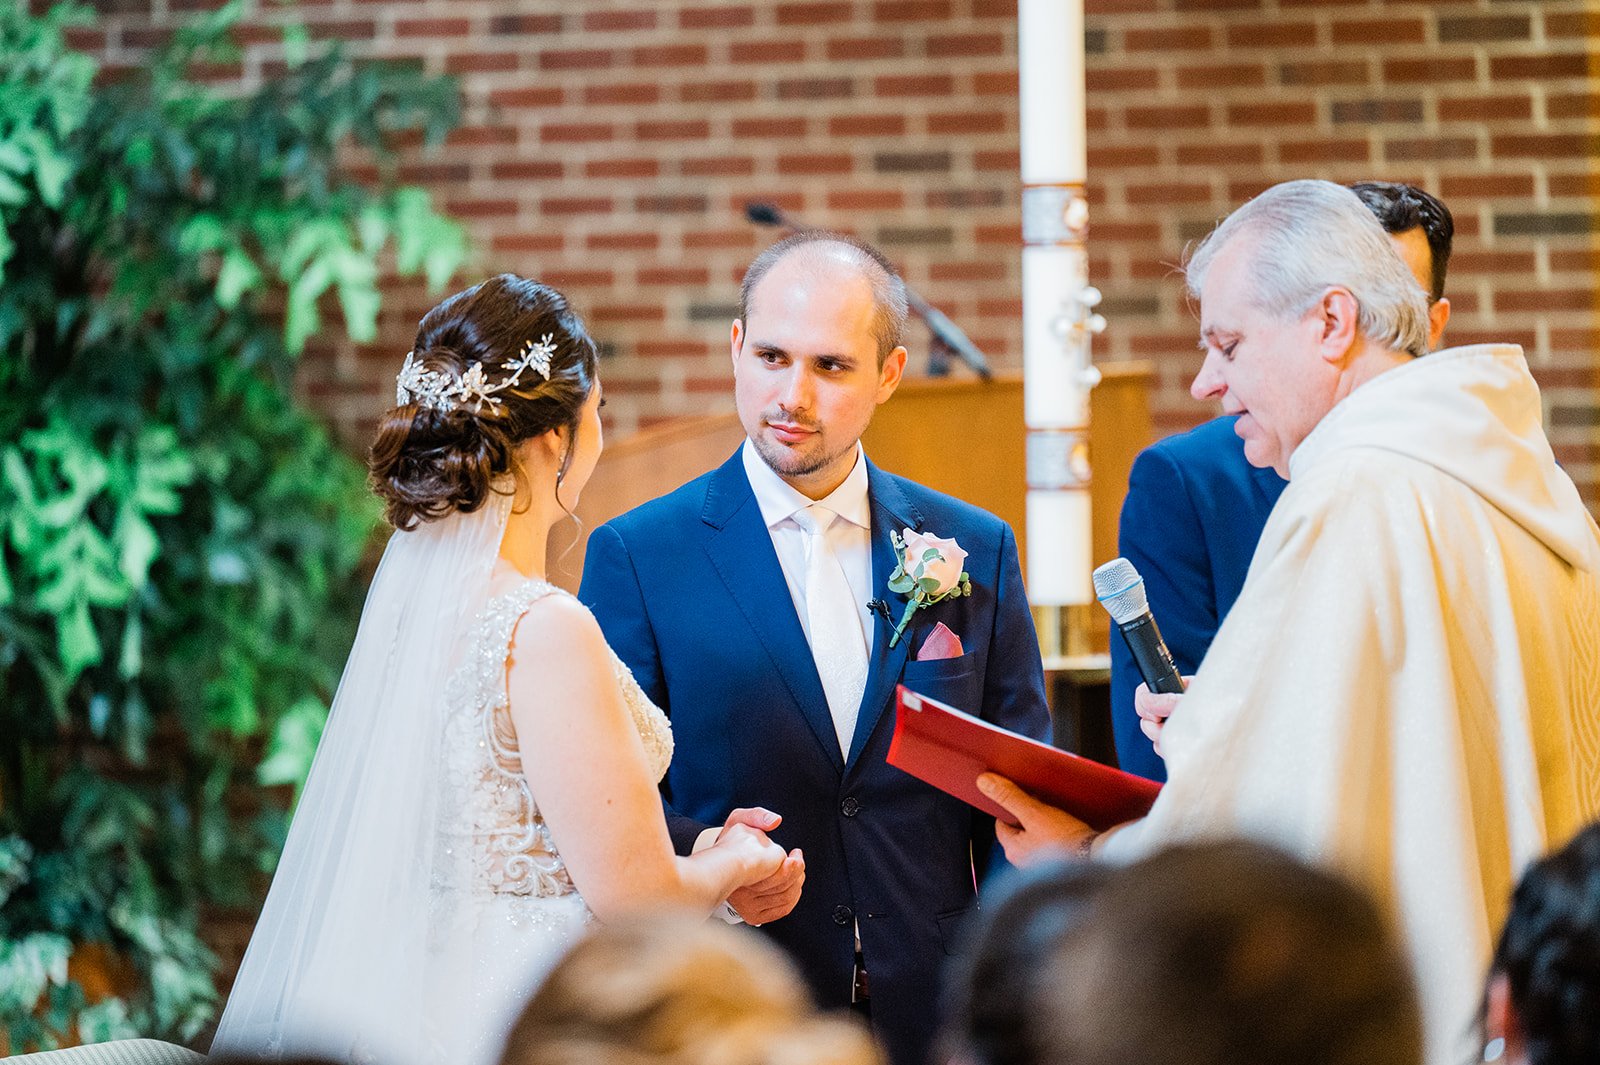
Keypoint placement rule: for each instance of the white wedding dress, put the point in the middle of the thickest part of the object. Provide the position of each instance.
(420, 897)
(513, 907)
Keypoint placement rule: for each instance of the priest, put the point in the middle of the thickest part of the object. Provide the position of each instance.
(1408, 688)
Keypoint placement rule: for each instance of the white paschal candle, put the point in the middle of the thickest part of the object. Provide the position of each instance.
(1058, 316)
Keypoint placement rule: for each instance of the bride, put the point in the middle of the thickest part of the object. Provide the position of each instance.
(486, 784)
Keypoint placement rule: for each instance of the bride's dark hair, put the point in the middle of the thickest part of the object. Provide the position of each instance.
(428, 463)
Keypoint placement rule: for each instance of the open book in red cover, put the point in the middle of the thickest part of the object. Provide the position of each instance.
(949, 749)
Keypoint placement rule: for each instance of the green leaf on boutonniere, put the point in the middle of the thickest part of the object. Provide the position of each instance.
(911, 578)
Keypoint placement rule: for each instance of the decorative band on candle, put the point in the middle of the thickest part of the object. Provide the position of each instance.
(1054, 214)
(1057, 460)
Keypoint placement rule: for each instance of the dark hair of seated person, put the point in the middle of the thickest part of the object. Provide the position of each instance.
(1006, 952)
(1202, 954)
(1546, 968)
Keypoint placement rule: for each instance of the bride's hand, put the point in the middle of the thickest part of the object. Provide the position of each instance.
(757, 855)
(767, 900)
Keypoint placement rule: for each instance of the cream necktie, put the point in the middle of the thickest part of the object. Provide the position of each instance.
(838, 645)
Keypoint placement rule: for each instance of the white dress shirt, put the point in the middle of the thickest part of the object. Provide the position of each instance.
(850, 539)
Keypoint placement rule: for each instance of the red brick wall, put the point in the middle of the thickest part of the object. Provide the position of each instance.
(1198, 104)
(609, 148)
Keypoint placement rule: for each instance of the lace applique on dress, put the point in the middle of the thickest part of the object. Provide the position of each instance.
(487, 809)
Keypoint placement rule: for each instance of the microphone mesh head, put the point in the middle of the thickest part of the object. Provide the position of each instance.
(1120, 590)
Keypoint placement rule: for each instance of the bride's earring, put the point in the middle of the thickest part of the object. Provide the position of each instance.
(1494, 1049)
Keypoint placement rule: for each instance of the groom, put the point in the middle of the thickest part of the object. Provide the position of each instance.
(741, 603)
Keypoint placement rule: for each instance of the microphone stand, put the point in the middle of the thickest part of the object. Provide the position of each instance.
(948, 339)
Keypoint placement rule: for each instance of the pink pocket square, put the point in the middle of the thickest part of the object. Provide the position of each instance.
(941, 643)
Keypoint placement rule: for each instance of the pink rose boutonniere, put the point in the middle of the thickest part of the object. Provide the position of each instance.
(929, 572)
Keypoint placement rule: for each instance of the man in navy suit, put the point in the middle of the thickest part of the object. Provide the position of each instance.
(753, 605)
(1195, 506)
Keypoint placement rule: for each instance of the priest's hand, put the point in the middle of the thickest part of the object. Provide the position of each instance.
(1154, 708)
(772, 898)
(1045, 830)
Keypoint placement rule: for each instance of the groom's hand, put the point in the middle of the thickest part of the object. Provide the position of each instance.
(772, 898)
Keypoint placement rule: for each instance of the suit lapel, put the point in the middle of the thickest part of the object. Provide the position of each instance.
(891, 512)
(740, 549)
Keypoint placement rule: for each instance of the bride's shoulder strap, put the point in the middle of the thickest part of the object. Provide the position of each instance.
(506, 610)
(484, 669)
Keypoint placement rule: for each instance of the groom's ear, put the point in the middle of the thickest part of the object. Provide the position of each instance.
(890, 373)
(736, 340)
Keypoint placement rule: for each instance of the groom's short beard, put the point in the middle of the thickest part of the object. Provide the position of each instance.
(787, 463)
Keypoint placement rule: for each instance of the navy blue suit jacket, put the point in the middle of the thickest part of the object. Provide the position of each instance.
(1190, 523)
(690, 594)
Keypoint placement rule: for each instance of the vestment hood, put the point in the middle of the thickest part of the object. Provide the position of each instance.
(1472, 413)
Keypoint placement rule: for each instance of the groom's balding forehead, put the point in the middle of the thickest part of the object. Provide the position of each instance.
(813, 266)
(822, 260)
(835, 258)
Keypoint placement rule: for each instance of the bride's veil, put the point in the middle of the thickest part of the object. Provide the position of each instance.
(338, 963)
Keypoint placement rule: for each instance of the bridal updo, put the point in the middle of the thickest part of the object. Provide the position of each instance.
(431, 459)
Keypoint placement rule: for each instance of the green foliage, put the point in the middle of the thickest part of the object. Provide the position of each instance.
(178, 538)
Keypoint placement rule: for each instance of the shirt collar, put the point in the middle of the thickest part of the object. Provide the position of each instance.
(779, 500)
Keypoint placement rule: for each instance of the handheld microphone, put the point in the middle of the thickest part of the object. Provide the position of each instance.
(1120, 590)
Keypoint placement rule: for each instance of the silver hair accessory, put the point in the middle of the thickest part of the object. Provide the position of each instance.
(445, 390)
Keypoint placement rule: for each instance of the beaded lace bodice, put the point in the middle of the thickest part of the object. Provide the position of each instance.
(492, 839)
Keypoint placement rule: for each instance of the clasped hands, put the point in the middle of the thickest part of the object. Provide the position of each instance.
(1044, 830)
(773, 897)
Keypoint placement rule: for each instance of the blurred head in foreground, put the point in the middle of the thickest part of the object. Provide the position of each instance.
(671, 989)
(1543, 1002)
(1202, 954)
(1009, 956)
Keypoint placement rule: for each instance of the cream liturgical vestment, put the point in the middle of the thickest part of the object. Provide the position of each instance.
(1408, 688)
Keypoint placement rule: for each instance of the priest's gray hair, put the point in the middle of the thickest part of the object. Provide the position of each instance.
(1311, 236)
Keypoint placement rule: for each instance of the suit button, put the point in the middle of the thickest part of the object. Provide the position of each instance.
(842, 914)
(851, 806)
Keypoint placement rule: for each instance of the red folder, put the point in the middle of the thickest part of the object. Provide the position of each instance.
(949, 749)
